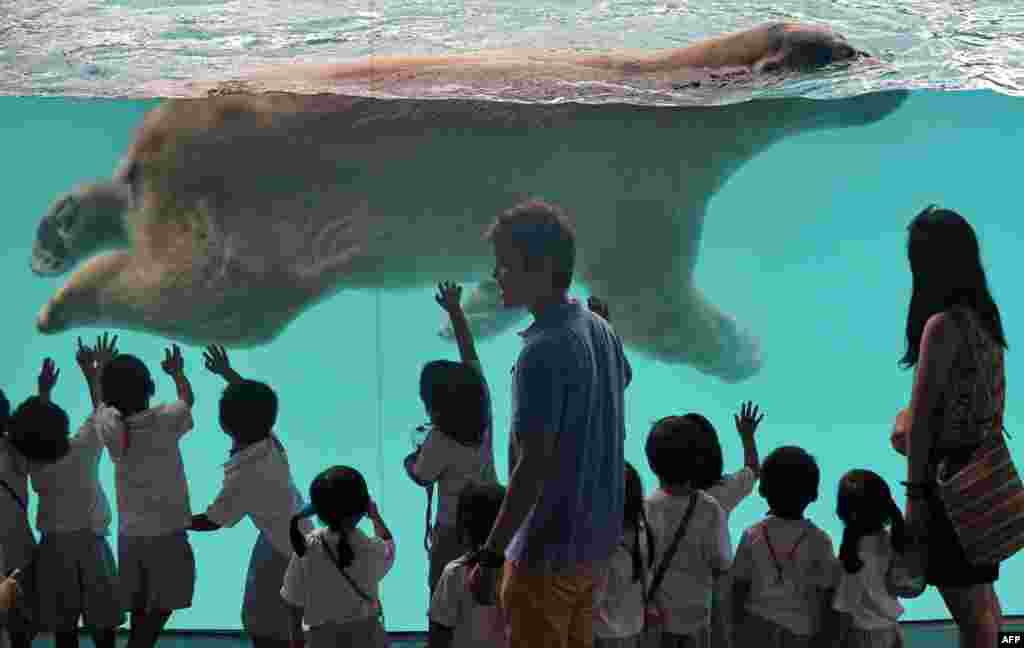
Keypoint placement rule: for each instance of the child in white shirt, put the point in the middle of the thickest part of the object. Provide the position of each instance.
(75, 572)
(675, 451)
(619, 610)
(257, 483)
(456, 619)
(785, 569)
(16, 538)
(728, 490)
(333, 580)
(869, 613)
(157, 566)
(458, 449)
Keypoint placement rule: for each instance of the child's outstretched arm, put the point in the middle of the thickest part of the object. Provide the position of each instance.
(174, 366)
(92, 361)
(448, 297)
(216, 361)
(746, 424)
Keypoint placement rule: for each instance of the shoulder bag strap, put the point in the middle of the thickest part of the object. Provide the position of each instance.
(792, 552)
(334, 559)
(671, 552)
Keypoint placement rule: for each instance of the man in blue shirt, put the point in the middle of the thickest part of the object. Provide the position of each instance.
(562, 515)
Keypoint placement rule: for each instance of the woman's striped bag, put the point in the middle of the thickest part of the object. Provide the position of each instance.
(985, 501)
(985, 498)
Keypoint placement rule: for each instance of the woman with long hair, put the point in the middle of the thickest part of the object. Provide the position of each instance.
(955, 343)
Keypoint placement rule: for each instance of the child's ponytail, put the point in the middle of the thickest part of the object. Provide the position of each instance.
(848, 549)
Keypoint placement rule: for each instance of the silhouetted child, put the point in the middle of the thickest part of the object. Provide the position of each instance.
(17, 542)
(456, 619)
(785, 570)
(677, 450)
(619, 610)
(869, 612)
(728, 490)
(157, 566)
(257, 483)
(458, 448)
(76, 576)
(333, 580)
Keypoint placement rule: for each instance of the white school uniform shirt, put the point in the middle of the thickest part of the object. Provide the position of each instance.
(619, 609)
(792, 600)
(314, 583)
(453, 466)
(864, 595)
(733, 489)
(71, 497)
(452, 606)
(149, 473)
(14, 471)
(685, 594)
(258, 483)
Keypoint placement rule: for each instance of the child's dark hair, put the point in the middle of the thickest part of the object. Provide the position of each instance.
(866, 506)
(340, 498)
(789, 481)
(635, 517)
(476, 511)
(685, 450)
(127, 384)
(248, 410)
(39, 430)
(458, 401)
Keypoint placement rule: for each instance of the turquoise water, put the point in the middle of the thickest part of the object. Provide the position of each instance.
(805, 244)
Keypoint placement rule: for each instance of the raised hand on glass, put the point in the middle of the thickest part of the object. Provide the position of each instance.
(215, 358)
(86, 358)
(748, 420)
(449, 296)
(173, 363)
(48, 378)
(104, 351)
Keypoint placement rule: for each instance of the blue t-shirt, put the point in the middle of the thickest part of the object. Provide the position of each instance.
(570, 379)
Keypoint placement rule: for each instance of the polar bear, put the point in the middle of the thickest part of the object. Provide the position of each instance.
(234, 213)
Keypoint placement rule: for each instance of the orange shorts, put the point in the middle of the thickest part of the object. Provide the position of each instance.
(546, 610)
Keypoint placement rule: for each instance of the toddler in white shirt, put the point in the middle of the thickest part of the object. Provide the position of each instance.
(869, 613)
(155, 560)
(785, 569)
(333, 580)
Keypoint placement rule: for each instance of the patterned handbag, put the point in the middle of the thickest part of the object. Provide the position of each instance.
(985, 498)
(985, 502)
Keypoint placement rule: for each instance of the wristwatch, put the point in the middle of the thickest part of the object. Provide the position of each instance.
(490, 558)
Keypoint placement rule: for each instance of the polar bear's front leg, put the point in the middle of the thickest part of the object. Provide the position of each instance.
(116, 290)
(486, 315)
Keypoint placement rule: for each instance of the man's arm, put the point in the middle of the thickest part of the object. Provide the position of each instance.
(542, 387)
